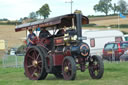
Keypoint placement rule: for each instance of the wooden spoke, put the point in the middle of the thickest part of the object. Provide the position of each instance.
(30, 57)
(35, 53)
(33, 72)
(37, 57)
(30, 66)
(39, 67)
(39, 62)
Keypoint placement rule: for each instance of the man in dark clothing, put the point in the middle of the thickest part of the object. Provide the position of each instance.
(44, 33)
(31, 37)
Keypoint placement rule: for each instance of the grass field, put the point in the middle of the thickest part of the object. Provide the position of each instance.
(114, 74)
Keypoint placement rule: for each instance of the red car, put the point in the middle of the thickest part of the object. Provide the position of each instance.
(113, 50)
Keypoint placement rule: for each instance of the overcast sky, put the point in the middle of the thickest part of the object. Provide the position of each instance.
(15, 9)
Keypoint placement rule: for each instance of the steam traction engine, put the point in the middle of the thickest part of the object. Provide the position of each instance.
(61, 55)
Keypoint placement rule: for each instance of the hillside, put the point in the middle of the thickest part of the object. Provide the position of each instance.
(13, 38)
(109, 20)
(8, 33)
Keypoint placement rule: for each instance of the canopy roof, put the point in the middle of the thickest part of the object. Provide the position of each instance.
(60, 21)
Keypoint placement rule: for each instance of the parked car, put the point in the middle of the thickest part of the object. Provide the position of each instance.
(113, 50)
(96, 39)
(12, 51)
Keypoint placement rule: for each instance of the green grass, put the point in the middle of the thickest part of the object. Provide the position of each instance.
(114, 74)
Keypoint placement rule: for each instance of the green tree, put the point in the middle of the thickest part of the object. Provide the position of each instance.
(44, 11)
(123, 6)
(103, 6)
(115, 8)
(32, 15)
(25, 18)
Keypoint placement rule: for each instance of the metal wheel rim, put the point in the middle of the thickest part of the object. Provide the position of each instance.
(95, 67)
(67, 69)
(33, 64)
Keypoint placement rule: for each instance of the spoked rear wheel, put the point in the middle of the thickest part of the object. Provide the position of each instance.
(96, 67)
(34, 64)
(69, 68)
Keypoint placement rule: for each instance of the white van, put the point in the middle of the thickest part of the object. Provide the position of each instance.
(96, 39)
(126, 37)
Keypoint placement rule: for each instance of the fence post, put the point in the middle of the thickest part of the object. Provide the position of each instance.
(3, 61)
(16, 61)
(113, 55)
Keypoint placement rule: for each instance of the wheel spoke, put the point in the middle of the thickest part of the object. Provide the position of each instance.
(35, 53)
(30, 66)
(30, 57)
(39, 67)
(69, 67)
(33, 56)
(39, 62)
(37, 57)
(66, 63)
(34, 73)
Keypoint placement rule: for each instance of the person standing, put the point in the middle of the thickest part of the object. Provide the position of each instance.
(124, 57)
(31, 37)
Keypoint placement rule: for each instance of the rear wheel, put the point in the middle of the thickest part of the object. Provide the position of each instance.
(96, 67)
(69, 68)
(34, 64)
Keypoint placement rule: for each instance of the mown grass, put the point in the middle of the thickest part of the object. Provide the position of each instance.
(114, 74)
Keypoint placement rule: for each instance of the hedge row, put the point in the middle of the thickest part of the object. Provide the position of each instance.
(121, 26)
(89, 25)
(10, 23)
(112, 26)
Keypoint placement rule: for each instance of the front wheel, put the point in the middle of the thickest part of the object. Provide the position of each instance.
(69, 68)
(96, 67)
(34, 64)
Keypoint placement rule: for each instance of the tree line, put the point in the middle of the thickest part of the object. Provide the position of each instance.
(103, 6)
(106, 6)
(4, 19)
(44, 12)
